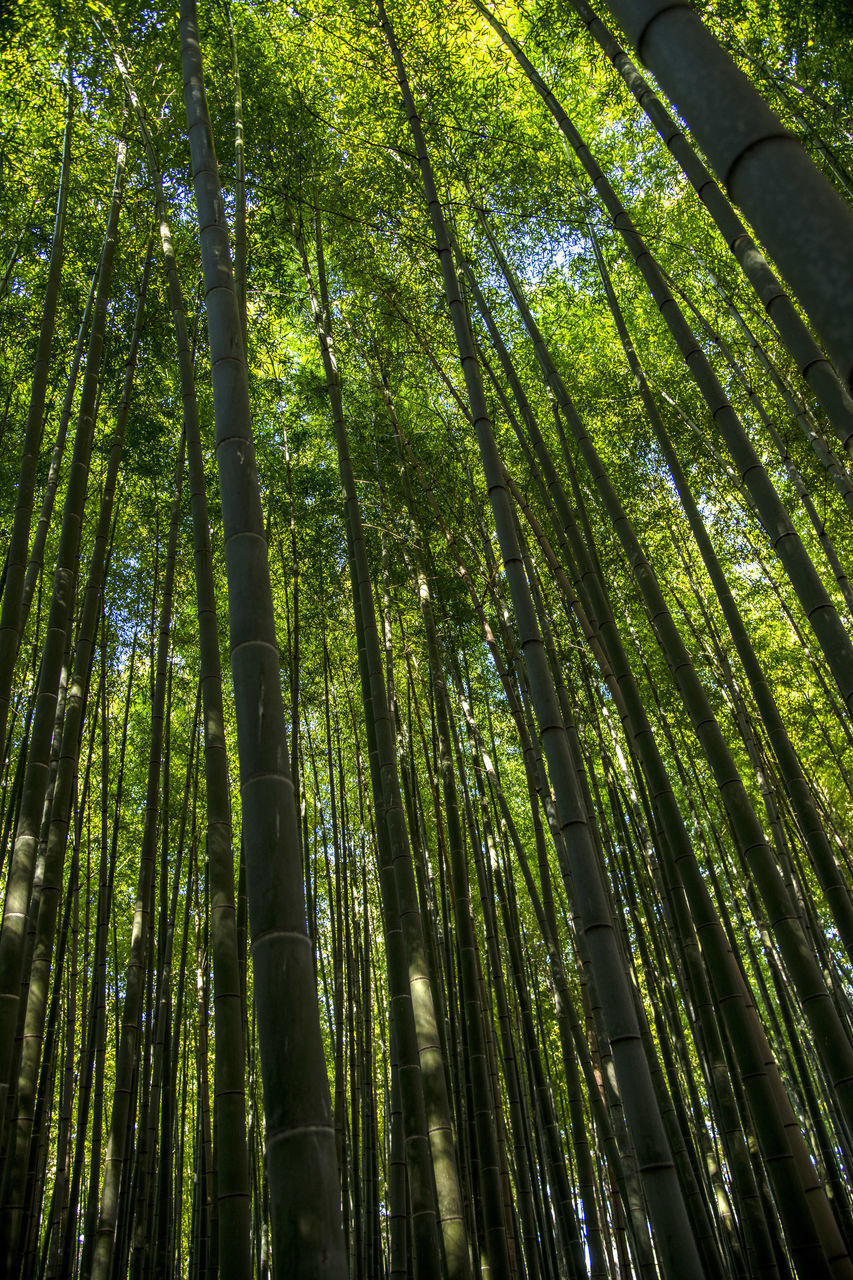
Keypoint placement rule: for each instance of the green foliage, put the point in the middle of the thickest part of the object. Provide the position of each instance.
(327, 145)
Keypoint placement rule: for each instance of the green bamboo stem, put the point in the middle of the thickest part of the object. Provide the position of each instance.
(301, 1162)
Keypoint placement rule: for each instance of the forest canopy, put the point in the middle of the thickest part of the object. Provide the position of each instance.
(426, 640)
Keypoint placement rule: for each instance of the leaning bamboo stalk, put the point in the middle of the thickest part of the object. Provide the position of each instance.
(829, 460)
(804, 222)
(811, 592)
(832, 881)
(792, 470)
(803, 967)
(793, 1178)
(673, 1232)
(811, 362)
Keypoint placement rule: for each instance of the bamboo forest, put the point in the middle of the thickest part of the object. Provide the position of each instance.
(426, 640)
